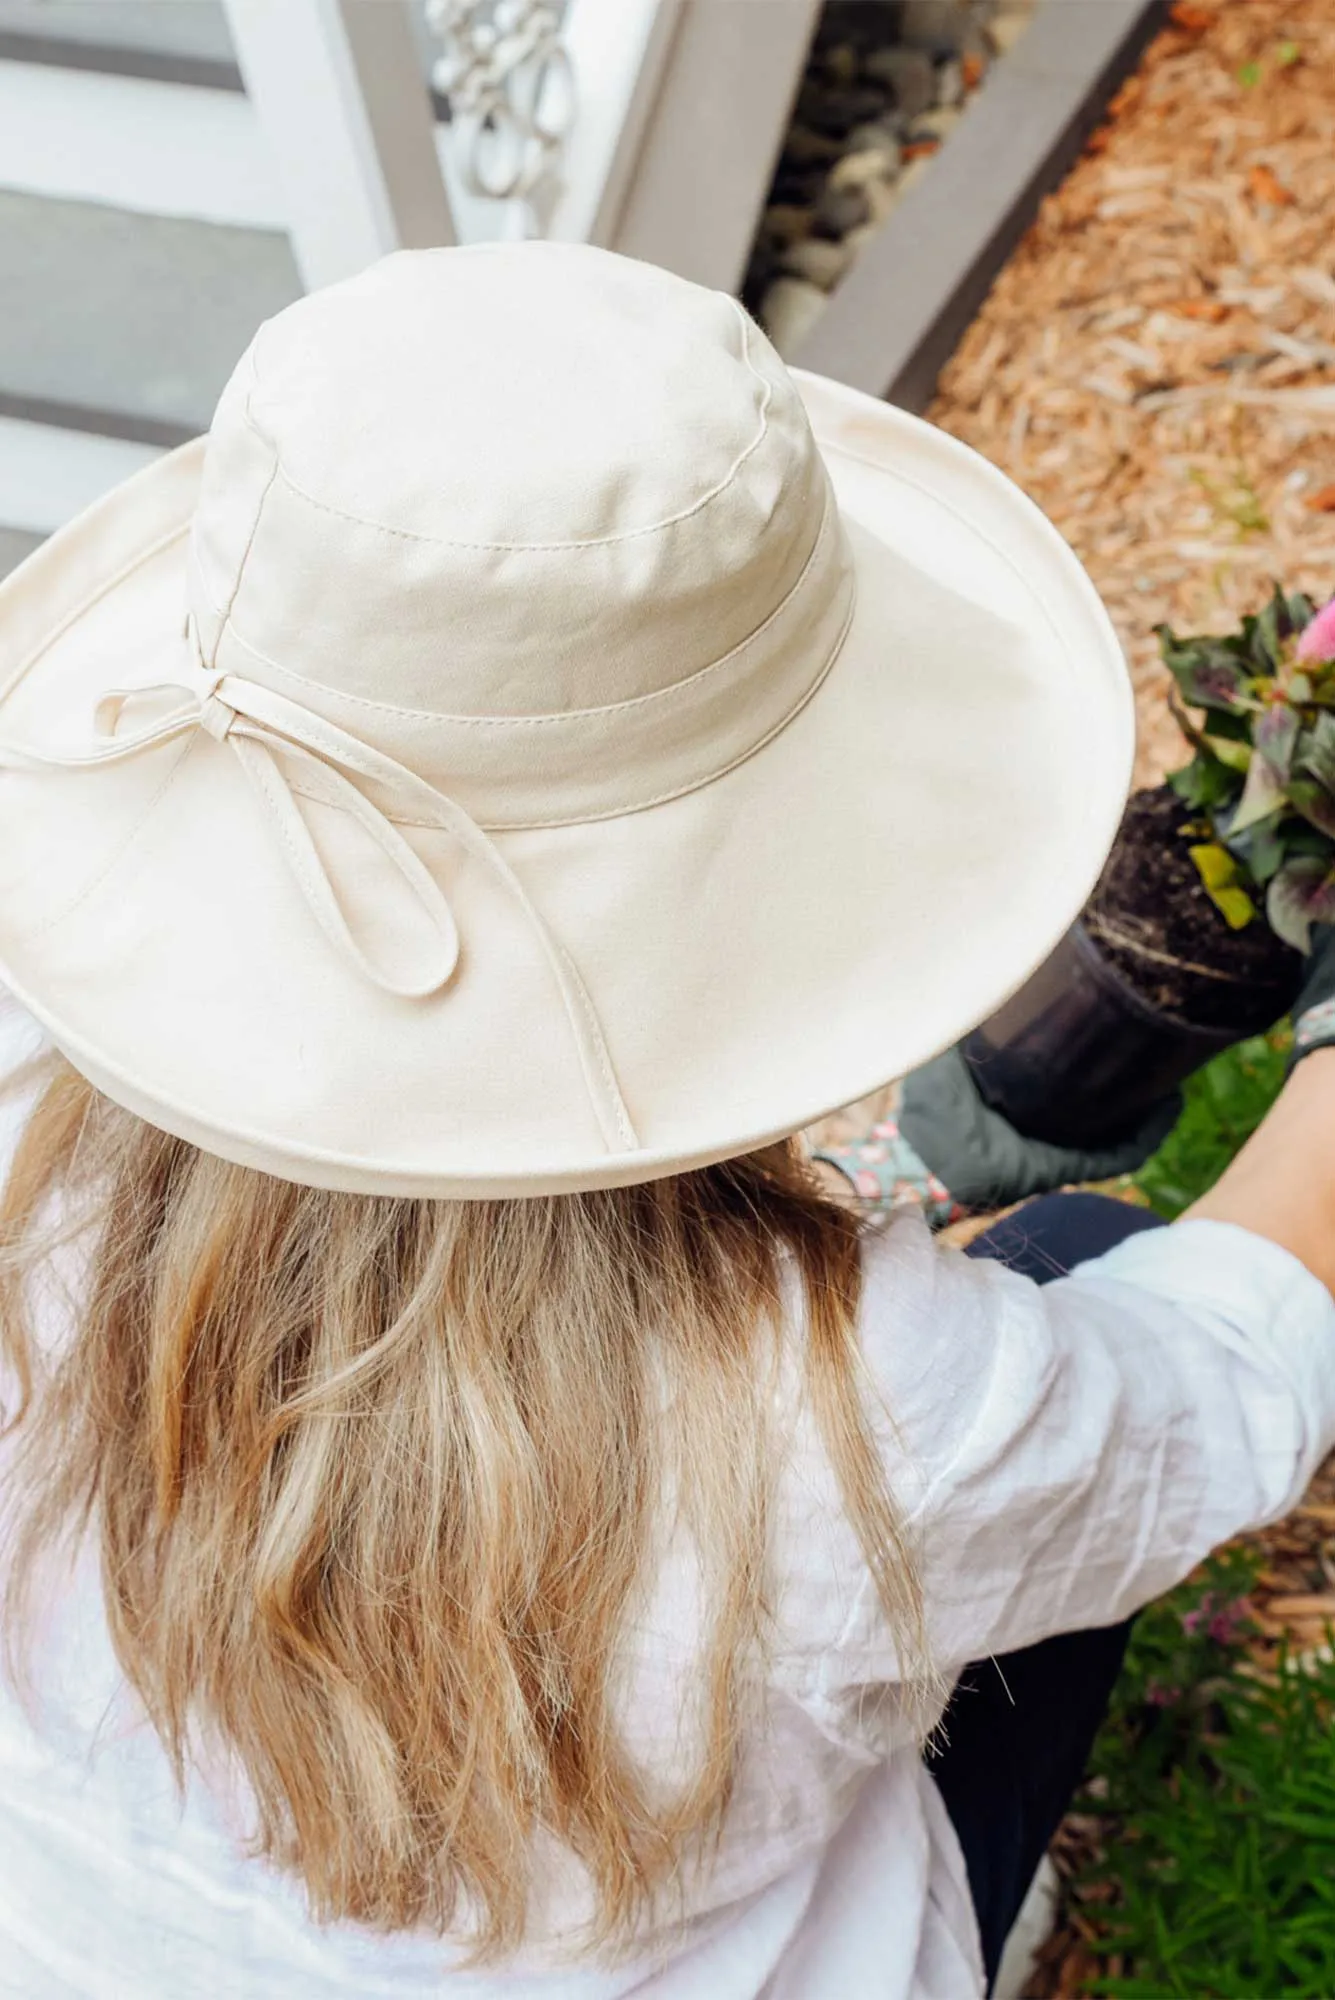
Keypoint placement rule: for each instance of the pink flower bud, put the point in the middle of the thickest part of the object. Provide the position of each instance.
(1317, 640)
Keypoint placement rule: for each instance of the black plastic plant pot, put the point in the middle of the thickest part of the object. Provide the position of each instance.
(1077, 1057)
(1144, 989)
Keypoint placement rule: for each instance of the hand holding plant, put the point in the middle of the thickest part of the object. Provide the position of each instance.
(1262, 781)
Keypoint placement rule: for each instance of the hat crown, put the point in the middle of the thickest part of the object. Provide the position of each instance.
(509, 481)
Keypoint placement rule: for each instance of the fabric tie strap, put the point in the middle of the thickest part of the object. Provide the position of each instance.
(266, 731)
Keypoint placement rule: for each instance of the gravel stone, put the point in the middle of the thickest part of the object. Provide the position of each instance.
(836, 110)
(789, 310)
(937, 124)
(819, 261)
(859, 170)
(908, 74)
(882, 197)
(884, 77)
(799, 185)
(950, 84)
(841, 63)
(884, 136)
(789, 221)
(941, 27)
(841, 209)
(806, 148)
(867, 24)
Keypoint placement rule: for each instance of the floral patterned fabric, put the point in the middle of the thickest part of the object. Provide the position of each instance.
(1315, 1027)
(888, 1175)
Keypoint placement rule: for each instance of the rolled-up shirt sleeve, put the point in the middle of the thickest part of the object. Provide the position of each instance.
(1072, 1450)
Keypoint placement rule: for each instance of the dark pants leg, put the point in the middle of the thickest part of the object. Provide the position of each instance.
(1018, 1729)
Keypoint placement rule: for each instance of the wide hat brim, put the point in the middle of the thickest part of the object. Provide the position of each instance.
(843, 904)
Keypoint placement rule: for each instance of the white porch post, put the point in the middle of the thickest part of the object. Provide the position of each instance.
(619, 50)
(339, 93)
(713, 134)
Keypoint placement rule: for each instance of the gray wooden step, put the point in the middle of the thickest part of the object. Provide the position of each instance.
(128, 324)
(15, 544)
(170, 41)
(178, 41)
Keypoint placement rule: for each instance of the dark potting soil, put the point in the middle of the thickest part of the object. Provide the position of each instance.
(1155, 924)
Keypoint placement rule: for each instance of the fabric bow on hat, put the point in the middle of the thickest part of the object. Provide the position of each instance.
(265, 730)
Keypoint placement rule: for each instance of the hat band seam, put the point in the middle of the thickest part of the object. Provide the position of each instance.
(538, 548)
(682, 690)
(625, 809)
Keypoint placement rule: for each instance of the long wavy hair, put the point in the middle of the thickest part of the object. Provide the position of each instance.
(374, 1483)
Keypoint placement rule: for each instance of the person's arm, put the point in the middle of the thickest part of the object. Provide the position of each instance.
(1070, 1451)
(1282, 1183)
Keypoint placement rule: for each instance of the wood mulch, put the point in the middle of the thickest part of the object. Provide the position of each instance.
(1156, 367)
(1156, 362)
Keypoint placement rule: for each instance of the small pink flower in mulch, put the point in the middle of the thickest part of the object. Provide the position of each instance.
(1317, 640)
(1220, 1622)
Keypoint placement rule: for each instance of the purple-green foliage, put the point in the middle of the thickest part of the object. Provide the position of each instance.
(1262, 781)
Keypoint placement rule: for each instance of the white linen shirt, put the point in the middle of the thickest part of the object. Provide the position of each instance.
(1064, 1454)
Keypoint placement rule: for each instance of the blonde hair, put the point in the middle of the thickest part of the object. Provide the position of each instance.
(374, 1483)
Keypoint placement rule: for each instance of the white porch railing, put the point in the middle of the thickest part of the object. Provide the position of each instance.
(664, 148)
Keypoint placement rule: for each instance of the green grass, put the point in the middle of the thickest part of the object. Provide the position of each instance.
(1213, 1788)
(1224, 1103)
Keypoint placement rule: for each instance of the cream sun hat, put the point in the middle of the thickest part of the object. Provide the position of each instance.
(535, 742)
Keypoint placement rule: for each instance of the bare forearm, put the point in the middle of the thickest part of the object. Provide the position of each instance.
(1282, 1183)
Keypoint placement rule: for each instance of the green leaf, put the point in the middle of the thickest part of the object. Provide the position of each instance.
(1276, 736)
(1302, 894)
(1204, 783)
(1210, 672)
(1262, 794)
(1314, 802)
(1316, 752)
(1219, 873)
(1249, 75)
(1302, 610)
(1287, 54)
(1320, 675)
(1214, 864)
(1261, 850)
(1234, 905)
(1230, 751)
(1269, 633)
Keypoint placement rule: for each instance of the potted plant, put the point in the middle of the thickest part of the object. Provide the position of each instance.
(1195, 934)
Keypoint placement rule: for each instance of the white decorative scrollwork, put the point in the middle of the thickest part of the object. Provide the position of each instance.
(507, 79)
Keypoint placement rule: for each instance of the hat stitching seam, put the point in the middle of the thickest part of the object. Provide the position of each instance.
(224, 612)
(114, 860)
(86, 604)
(598, 1047)
(678, 690)
(639, 805)
(543, 548)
